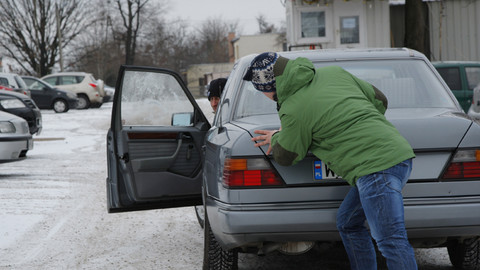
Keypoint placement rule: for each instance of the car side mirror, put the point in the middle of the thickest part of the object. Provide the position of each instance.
(182, 119)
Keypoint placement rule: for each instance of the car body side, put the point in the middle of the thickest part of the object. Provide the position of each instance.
(27, 109)
(80, 84)
(46, 96)
(15, 83)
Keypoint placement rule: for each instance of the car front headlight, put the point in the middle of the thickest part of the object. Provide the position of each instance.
(7, 127)
(12, 103)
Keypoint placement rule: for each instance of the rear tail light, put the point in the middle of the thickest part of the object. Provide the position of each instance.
(255, 172)
(93, 85)
(465, 164)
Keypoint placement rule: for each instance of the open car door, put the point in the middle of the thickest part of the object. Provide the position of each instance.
(154, 144)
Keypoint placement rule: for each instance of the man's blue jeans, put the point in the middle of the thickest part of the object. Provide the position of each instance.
(377, 198)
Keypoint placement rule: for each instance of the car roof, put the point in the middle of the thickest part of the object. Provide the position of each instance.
(67, 73)
(346, 54)
(455, 63)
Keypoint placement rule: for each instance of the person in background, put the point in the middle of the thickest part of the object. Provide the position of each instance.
(215, 91)
(340, 119)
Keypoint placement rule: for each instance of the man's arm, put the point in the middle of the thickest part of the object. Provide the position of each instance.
(289, 145)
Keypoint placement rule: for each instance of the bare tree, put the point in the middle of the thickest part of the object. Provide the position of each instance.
(131, 12)
(264, 26)
(29, 32)
(213, 43)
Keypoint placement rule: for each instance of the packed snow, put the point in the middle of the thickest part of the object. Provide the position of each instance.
(53, 212)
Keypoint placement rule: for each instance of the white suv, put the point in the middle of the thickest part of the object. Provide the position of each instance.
(90, 92)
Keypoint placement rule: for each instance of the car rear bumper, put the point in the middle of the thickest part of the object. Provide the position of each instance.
(239, 225)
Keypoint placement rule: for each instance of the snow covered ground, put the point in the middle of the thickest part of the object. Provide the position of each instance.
(53, 212)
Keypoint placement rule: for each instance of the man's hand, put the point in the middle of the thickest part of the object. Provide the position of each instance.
(264, 139)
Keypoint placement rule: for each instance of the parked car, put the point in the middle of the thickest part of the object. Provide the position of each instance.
(474, 110)
(109, 92)
(162, 152)
(13, 82)
(48, 97)
(461, 77)
(24, 107)
(15, 138)
(90, 92)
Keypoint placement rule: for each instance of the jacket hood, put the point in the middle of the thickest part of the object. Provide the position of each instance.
(297, 74)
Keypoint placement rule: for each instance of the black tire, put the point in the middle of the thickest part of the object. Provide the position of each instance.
(83, 102)
(214, 257)
(465, 255)
(200, 213)
(60, 106)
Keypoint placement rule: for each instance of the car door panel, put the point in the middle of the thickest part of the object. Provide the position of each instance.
(153, 163)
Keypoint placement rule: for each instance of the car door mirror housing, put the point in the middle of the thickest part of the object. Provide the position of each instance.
(182, 119)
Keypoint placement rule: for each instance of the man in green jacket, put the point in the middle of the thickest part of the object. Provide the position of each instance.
(340, 119)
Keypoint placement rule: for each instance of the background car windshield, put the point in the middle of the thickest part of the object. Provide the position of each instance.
(406, 83)
(150, 98)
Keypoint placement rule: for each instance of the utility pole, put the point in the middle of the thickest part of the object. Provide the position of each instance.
(59, 36)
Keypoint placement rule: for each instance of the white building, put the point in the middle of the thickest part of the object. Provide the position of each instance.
(245, 45)
(322, 24)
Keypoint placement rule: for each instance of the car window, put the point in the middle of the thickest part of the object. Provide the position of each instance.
(79, 79)
(4, 82)
(473, 76)
(152, 99)
(451, 75)
(51, 80)
(34, 85)
(65, 80)
(405, 83)
(20, 82)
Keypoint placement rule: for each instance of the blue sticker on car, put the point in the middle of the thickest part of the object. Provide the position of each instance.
(317, 170)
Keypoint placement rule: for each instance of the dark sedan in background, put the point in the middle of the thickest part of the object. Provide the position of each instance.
(162, 152)
(48, 97)
(24, 107)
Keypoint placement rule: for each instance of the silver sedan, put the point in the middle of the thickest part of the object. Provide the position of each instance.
(162, 152)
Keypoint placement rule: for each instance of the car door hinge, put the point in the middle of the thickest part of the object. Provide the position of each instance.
(124, 157)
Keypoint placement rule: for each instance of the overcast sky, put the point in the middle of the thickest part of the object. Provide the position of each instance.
(243, 11)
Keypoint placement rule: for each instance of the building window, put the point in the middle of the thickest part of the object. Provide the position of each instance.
(313, 24)
(349, 30)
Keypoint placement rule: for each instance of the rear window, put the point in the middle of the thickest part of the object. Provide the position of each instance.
(20, 82)
(473, 76)
(4, 82)
(406, 83)
(451, 76)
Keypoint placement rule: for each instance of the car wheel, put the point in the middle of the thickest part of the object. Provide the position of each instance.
(214, 257)
(465, 255)
(60, 106)
(83, 102)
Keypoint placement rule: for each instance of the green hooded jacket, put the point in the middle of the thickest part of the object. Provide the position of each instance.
(338, 117)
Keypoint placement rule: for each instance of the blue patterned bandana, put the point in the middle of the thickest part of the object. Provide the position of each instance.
(260, 72)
